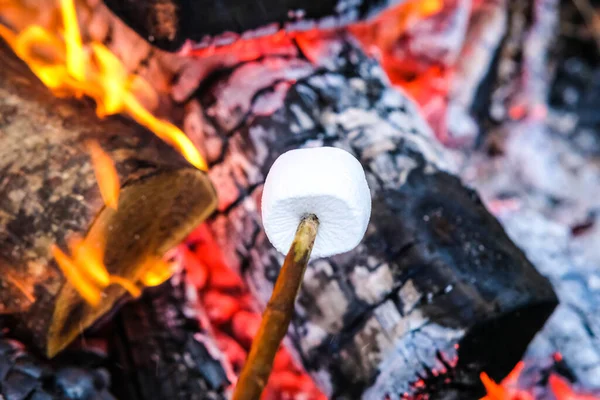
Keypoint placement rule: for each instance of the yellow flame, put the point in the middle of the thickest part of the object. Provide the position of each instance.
(106, 174)
(133, 290)
(73, 272)
(76, 69)
(88, 274)
(74, 47)
(84, 254)
(430, 7)
(158, 272)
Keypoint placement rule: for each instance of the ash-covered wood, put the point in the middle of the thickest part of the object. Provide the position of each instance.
(169, 23)
(160, 353)
(79, 376)
(542, 178)
(48, 192)
(436, 284)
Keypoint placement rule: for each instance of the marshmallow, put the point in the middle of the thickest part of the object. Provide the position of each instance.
(326, 181)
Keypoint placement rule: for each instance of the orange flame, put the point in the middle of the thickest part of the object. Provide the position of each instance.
(74, 274)
(70, 68)
(509, 390)
(157, 272)
(86, 271)
(106, 174)
(563, 391)
(84, 254)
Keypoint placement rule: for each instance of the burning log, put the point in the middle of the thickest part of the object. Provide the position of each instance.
(48, 193)
(435, 294)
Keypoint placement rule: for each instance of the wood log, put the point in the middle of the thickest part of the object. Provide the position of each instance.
(554, 216)
(48, 192)
(435, 294)
(156, 351)
(169, 23)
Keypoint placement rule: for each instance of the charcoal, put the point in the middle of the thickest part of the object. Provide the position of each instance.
(17, 385)
(25, 377)
(41, 395)
(75, 383)
(29, 366)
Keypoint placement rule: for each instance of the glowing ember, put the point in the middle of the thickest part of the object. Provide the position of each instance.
(562, 390)
(106, 174)
(380, 36)
(70, 68)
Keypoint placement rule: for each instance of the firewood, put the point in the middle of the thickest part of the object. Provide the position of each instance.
(435, 294)
(48, 193)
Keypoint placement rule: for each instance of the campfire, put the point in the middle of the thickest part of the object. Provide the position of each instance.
(135, 140)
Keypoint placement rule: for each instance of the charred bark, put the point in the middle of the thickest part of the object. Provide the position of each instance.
(48, 192)
(169, 23)
(435, 294)
(157, 354)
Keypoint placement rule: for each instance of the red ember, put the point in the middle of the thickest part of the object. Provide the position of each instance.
(235, 320)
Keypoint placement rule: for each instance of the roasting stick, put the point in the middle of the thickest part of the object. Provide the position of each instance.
(316, 202)
(278, 314)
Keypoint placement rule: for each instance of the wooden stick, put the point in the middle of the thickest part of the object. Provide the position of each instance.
(278, 314)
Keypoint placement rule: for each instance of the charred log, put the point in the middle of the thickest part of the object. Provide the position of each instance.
(555, 223)
(503, 74)
(48, 192)
(157, 354)
(436, 293)
(169, 23)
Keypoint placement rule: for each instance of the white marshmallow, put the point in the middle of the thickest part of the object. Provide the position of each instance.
(326, 181)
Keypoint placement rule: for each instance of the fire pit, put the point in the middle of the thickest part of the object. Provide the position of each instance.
(134, 145)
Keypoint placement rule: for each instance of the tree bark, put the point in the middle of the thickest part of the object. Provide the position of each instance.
(435, 294)
(48, 192)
